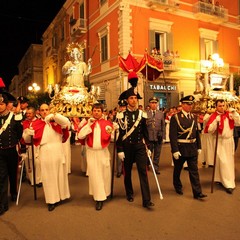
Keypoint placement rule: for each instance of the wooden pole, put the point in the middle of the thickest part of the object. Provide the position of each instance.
(215, 157)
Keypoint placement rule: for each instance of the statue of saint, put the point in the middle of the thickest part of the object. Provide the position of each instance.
(75, 69)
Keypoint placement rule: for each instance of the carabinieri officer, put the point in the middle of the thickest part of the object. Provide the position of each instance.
(131, 146)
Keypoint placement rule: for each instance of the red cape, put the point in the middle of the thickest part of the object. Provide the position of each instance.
(221, 124)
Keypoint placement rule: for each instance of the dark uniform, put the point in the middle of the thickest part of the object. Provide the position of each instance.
(9, 138)
(134, 150)
(185, 138)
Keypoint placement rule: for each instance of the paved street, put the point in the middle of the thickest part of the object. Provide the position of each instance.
(174, 217)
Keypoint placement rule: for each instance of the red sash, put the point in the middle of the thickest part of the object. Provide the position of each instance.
(105, 136)
(221, 124)
(38, 127)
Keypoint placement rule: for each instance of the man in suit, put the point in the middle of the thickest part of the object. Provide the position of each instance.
(156, 131)
(185, 146)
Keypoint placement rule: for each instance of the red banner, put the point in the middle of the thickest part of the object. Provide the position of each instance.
(149, 66)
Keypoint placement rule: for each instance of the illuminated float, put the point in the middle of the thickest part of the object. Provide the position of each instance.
(73, 99)
(211, 84)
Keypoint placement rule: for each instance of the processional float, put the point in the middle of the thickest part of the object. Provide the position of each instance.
(73, 99)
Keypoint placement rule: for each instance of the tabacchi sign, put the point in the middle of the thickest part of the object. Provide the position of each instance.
(162, 87)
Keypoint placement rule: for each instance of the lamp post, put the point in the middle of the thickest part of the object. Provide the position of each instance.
(34, 88)
(214, 64)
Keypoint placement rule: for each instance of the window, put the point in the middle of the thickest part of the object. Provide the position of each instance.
(160, 36)
(82, 15)
(104, 49)
(161, 42)
(208, 43)
(103, 35)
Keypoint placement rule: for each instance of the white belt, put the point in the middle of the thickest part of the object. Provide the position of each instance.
(187, 140)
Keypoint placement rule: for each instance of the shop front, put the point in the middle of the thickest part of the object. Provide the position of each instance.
(166, 93)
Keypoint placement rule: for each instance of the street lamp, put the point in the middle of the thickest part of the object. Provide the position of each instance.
(34, 88)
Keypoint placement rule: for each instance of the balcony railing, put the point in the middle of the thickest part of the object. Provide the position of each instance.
(78, 27)
(208, 12)
(171, 63)
(167, 5)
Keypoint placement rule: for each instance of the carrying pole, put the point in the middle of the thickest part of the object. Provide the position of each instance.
(215, 157)
(113, 163)
(34, 176)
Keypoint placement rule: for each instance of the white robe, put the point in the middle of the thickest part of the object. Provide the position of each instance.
(68, 155)
(98, 165)
(225, 168)
(29, 165)
(53, 166)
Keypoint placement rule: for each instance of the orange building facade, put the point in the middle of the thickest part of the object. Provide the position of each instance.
(183, 33)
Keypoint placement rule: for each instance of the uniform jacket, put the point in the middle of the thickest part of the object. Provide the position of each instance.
(156, 126)
(179, 130)
(12, 134)
(140, 133)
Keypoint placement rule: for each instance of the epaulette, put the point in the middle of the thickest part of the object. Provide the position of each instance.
(119, 115)
(18, 117)
(144, 114)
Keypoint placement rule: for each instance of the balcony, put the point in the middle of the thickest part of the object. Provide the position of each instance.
(171, 64)
(166, 5)
(208, 12)
(78, 27)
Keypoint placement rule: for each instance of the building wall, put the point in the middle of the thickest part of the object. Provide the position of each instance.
(128, 23)
(30, 69)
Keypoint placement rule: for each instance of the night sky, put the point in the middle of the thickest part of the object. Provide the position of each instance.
(22, 23)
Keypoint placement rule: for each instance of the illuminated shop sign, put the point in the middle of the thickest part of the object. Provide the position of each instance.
(162, 87)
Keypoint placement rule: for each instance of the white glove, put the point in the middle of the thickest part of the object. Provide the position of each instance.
(149, 153)
(121, 156)
(199, 151)
(176, 155)
(24, 156)
(231, 110)
(218, 118)
(115, 126)
(49, 118)
(30, 132)
(91, 121)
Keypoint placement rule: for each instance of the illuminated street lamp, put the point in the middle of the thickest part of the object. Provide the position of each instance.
(34, 88)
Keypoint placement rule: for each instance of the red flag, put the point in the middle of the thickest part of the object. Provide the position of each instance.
(2, 85)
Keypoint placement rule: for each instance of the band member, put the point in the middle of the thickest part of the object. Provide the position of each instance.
(131, 146)
(49, 133)
(156, 131)
(225, 167)
(97, 135)
(185, 146)
(10, 134)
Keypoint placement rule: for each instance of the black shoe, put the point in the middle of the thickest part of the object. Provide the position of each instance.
(200, 196)
(157, 172)
(51, 207)
(14, 197)
(185, 168)
(229, 190)
(179, 191)
(148, 204)
(130, 198)
(119, 175)
(39, 185)
(99, 205)
(3, 209)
